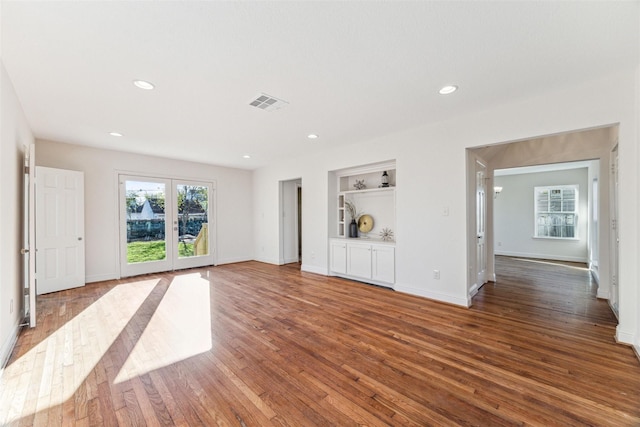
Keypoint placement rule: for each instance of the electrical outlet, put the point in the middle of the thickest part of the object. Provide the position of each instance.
(499, 243)
(11, 306)
(313, 255)
(436, 274)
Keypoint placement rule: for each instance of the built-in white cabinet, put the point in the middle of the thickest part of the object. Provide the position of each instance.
(364, 261)
(359, 260)
(338, 256)
(383, 263)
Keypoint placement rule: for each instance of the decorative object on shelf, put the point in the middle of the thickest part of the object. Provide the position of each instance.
(355, 215)
(352, 210)
(365, 223)
(385, 179)
(353, 228)
(386, 234)
(359, 185)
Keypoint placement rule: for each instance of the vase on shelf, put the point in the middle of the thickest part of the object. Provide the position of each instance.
(353, 228)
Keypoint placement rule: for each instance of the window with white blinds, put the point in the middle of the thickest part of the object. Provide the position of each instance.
(556, 211)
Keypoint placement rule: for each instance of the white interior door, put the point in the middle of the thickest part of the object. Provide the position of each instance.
(60, 229)
(29, 235)
(481, 220)
(164, 224)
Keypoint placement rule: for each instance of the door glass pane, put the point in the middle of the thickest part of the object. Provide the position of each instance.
(193, 226)
(145, 204)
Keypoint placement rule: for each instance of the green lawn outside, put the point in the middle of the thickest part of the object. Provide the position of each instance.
(154, 251)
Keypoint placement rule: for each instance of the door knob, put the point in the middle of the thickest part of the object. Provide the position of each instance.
(24, 251)
(79, 238)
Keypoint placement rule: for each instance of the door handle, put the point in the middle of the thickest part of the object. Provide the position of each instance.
(79, 238)
(24, 251)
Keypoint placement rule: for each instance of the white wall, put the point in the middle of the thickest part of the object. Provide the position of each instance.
(233, 207)
(431, 175)
(14, 134)
(514, 219)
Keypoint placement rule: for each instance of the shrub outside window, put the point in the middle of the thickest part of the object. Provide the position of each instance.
(556, 212)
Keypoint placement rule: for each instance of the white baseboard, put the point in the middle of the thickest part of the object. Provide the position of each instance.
(100, 278)
(291, 260)
(474, 290)
(438, 296)
(625, 337)
(234, 260)
(542, 256)
(7, 346)
(602, 293)
(314, 269)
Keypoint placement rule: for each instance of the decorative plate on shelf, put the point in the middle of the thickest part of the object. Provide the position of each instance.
(365, 223)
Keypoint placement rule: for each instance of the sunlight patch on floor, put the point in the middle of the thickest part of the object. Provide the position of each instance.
(65, 358)
(179, 328)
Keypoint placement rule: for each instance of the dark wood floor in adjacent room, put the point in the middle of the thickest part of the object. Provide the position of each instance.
(252, 344)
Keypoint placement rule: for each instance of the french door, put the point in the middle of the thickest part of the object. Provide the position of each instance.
(165, 224)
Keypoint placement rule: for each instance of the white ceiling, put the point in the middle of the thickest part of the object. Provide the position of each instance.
(350, 71)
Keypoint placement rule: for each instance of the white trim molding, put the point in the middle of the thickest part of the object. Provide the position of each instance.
(542, 256)
(437, 296)
(8, 345)
(625, 337)
(241, 259)
(314, 269)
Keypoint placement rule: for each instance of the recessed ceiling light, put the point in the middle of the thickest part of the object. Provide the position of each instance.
(446, 90)
(312, 136)
(142, 84)
(246, 156)
(115, 134)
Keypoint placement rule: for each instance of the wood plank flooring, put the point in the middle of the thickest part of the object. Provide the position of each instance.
(252, 344)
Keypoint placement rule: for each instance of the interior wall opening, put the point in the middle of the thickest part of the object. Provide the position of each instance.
(506, 162)
(290, 221)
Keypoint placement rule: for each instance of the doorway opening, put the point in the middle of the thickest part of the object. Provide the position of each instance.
(587, 145)
(291, 221)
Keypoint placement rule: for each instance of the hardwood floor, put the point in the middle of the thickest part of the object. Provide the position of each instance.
(252, 344)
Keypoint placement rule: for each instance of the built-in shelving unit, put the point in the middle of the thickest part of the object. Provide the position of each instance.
(373, 199)
(367, 257)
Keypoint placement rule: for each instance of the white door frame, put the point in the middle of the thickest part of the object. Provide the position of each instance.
(288, 220)
(481, 224)
(614, 238)
(29, 234)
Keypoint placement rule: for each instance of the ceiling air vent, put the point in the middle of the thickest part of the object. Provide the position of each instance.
(268, 102)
